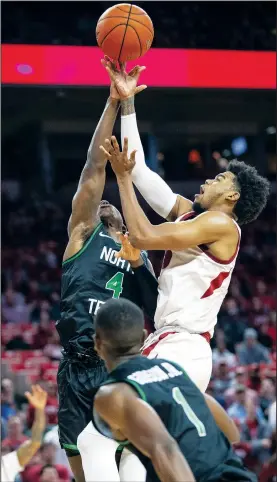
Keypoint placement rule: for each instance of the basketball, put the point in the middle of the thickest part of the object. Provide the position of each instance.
(124, 32)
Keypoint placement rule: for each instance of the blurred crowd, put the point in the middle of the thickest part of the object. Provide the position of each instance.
(244, 376)
(208, 25)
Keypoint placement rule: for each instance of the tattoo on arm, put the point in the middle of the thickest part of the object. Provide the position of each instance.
(128, 106)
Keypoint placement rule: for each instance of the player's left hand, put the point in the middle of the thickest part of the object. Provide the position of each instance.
(127, 251)
(120, 162)
(37, 398)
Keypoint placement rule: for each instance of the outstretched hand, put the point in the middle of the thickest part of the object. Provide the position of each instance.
(121, 163)
(37, 398)
(123, 84)
(127, 251)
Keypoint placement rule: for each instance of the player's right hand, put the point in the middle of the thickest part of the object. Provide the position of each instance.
(123, 84)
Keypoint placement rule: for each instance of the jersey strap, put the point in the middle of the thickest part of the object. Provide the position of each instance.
(86, 244)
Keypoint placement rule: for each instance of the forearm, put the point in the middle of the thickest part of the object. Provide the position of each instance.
(170, 464)
(27, 450)
(95, 158)
(137, 223)
(151, 186)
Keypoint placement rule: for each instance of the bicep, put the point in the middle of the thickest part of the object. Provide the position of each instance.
(134, 418)
(183, 235)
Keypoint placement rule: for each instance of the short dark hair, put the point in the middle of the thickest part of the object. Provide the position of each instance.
(121, 322)
(254, 191)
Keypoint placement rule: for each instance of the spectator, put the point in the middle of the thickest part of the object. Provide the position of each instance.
(15, 434)
(14, 309)
(250, 351)
(49, 473)
(255, 432)
(268, 473)
(267, 394)
(7, 399)
(52, 437)
(220, 353)
(48, 454)
(222, 379)
(238, 410)
(44, 331)
(272, 417)
(241, 378)
(53, 349)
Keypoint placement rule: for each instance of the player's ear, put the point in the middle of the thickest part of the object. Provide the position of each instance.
(233, 196)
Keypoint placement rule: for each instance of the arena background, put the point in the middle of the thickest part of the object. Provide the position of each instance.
(211, 98)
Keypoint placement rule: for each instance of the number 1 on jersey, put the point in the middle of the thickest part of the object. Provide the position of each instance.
(115, 284)
(180, 399)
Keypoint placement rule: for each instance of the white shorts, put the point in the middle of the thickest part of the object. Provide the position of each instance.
(191, 351)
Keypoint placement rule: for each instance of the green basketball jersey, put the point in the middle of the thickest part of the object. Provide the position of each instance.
(184, 412)
(89, 278)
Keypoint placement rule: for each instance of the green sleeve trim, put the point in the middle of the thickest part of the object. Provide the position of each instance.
(93, 234)
(70, 447)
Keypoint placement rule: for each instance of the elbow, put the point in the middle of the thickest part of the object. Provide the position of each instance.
(138, 241)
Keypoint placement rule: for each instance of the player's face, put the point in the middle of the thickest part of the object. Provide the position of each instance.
(110, 216)
(216, 192)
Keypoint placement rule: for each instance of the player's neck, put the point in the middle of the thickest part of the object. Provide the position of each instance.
(113, 234)
(113, 363)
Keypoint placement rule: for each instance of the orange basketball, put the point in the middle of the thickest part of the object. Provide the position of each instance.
(124, 32)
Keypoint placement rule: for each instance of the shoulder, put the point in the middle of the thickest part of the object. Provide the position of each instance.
(215, 219)
(113, 396)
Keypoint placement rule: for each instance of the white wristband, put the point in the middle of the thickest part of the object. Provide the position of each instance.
(151, 186)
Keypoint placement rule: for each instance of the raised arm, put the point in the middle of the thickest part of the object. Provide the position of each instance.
(92, 181)
(151, 186)
(206, 228)
(123, 411)
(27, 450)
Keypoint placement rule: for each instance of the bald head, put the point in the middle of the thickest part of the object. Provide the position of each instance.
(119, 328)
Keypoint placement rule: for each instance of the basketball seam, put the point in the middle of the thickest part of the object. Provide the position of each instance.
(140, 46)
(122, 43)
(134, 13)
(133, 20)
(110, 32)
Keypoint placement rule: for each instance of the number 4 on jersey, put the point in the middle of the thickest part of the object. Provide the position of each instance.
(115, 284)
(180, 399)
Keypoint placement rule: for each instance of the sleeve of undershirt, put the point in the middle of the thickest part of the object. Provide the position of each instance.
(151, 186)
(10, 467)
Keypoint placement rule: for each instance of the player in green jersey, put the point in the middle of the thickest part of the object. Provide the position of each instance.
(154, 408)
(93, 272)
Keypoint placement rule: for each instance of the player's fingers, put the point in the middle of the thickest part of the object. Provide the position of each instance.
(133, 156)
(122, 66)
(140, 88)
(125, 146)
(108, 67)
(138, 71)
(133, 72)
(115, 145)
(28, 395)
(107, 154)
